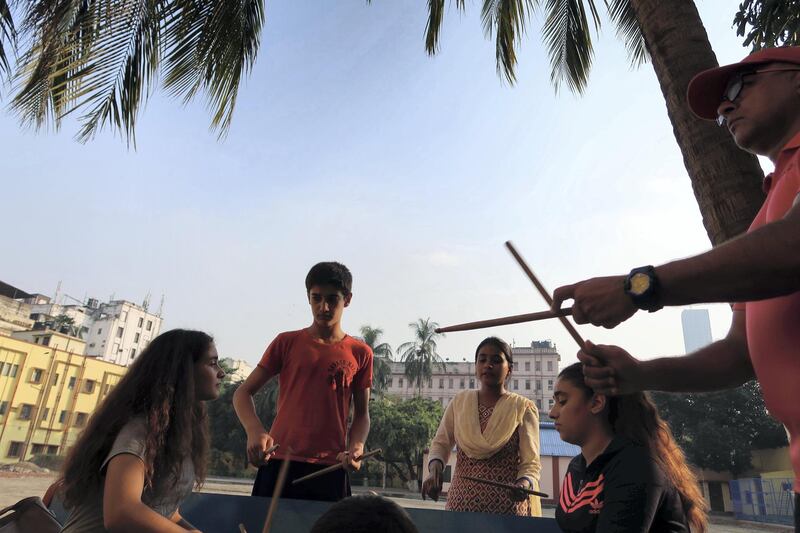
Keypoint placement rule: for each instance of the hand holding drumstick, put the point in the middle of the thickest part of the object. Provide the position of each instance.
(432, 486)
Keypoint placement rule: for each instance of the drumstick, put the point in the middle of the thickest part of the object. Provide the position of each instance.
(504, 321)
(506, 486)
(276, 493)
(547, 298)
(271, 449)
(333, 468)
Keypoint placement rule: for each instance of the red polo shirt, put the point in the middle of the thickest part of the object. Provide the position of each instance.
(773, 326)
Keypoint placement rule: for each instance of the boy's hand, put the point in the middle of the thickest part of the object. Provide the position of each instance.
(257, 446)
(351, 459)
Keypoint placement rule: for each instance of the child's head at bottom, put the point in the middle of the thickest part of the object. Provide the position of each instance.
(365, 514)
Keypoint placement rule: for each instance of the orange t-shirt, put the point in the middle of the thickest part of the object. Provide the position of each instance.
(316, 383)
(773, 325)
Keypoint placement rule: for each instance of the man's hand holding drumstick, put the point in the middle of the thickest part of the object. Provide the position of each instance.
(598, 301)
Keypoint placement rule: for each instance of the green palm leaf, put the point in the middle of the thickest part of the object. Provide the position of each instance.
(568, 38)
(8, 38)
(623, 16)
(506, 20)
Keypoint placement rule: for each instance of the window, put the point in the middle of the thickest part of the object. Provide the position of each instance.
(400, 383)
(88, 386)
(1, 368)
(538, 366)
(45, 413)
(124, 316)
(462, 382)
(471, 383)
(62, 418)
(52, 449)
(409, 384)
(551, 403)
(133, 353)
(72, 382)
(441, 383)
(80, 420)
(141, 321)
(46, 340)
(3, 408)
(25, 411)
(149, 325)
(516, 366)
(549, 384)
(14, 369)
(527, 366)
(120, 331)
(450, 383)
(36, 375)
(538, 384)
(37, 449)
(516, 384)
(136, 338)
(527, 384)
(549, 366)
(390, 383)
(15, 449)
(55, 380)
(99, 331)
(538, 403)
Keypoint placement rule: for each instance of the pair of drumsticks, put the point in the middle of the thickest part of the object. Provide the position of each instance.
(561, 314)
(281, 481)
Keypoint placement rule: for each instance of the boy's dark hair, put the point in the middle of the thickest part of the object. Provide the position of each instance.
(364, 514)
(330, 273)
(501, 345)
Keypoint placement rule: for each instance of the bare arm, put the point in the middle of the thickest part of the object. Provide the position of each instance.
(258, 440)
(181, 521)
(123, 510)
(759, 265)
(358, 430)
(721, 365)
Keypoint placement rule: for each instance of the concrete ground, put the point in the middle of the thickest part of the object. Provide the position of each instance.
(14, 487)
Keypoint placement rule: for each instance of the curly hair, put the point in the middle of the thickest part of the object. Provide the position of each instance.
(160, 388)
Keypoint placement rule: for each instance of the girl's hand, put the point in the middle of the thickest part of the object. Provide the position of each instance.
(518, 495)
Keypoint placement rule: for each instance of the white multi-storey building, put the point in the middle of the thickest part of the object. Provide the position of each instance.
(535, 371)
(119, 331)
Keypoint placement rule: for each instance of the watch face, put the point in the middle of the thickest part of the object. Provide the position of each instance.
(640, 282)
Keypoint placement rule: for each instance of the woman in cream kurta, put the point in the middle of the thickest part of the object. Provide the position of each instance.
(496, 434)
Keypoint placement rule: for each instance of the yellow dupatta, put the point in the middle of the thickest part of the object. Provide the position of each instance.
(506, 418)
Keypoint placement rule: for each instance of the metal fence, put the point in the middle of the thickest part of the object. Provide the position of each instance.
(763, 500)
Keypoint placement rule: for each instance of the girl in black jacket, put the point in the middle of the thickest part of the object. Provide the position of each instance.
(630, 475)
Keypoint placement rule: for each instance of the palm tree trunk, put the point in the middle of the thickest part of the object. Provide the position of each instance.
(726, 180)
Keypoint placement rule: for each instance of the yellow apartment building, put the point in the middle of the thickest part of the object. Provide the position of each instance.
(47, 394)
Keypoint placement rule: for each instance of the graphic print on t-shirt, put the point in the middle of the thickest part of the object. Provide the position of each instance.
(341, 373)
(589, 495)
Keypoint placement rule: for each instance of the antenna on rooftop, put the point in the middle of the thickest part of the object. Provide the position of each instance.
(160, 306)
(146, 302)
(58, 290)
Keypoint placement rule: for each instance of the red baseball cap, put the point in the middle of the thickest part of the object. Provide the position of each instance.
(705, 90)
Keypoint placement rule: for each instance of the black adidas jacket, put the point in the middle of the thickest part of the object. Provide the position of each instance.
(622, 491)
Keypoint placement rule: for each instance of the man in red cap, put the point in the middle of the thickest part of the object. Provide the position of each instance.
(758, 100)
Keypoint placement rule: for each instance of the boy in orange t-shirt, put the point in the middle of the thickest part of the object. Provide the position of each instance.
(321, 369)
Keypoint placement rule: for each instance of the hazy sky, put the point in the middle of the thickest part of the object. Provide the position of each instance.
(349, 143)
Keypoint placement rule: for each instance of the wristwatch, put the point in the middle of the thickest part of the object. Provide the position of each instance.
(642, 287)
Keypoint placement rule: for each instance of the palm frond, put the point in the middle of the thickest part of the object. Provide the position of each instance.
(628, 30)
(569, 41)
(8, 39)
(212, 46)
(507, 21)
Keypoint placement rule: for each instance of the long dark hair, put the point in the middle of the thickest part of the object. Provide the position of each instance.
(635, 417)
(159, 387)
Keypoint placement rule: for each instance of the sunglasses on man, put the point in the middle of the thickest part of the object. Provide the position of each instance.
(735, 84)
